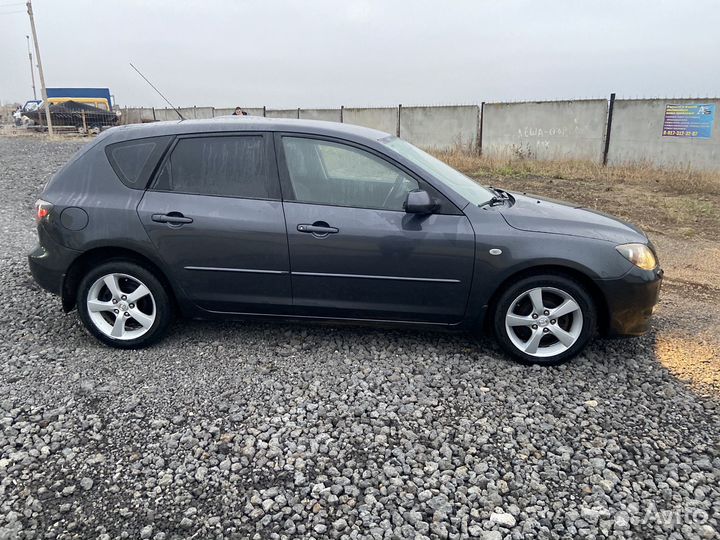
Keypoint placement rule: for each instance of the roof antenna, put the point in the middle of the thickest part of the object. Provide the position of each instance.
(159, 92)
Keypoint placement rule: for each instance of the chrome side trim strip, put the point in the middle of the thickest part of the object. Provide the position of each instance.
(318, 274)
(362, 276)
(242, 270)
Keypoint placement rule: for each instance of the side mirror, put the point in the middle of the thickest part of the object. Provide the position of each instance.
(419, 202)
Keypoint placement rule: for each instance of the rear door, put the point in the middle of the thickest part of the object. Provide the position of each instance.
(215, 217)
(354, 251)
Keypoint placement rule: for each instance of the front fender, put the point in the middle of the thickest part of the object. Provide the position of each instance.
(503, 252)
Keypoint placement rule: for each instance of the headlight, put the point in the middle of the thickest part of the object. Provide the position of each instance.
(638, 254)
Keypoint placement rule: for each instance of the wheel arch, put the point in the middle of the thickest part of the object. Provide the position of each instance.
(98, 255)
(603, 311)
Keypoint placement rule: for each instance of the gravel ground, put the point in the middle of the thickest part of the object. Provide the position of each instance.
(277, 431)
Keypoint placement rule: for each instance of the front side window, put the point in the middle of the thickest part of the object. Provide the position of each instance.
(233, 166)
(455, 180)
(324, 172)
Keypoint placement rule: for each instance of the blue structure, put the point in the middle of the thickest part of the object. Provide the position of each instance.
(80, 93)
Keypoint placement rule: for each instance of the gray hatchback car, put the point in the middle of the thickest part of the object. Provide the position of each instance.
(249, 217)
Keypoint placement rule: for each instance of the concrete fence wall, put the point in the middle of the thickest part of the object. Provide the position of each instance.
(636, 136)
(328, 115)
(382, 119)
(228, 111)
(440, 127)
(281, 113)
(575, 130)
(546, 130)
(164, 115)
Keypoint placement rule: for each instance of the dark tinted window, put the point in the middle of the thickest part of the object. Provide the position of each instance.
(133, 161)
(227, 166)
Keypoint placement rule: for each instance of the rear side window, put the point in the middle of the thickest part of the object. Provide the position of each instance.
(134, 161)
(229, 166)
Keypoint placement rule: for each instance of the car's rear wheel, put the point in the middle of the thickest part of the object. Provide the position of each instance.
(544, 319)
(124, 305)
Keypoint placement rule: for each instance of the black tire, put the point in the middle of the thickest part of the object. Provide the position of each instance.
(162, 309)
(562, 283)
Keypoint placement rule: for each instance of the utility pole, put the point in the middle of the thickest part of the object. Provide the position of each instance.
(43, 88)
(32, 68)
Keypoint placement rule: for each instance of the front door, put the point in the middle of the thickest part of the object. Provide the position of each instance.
(215, 217)
(354, 251)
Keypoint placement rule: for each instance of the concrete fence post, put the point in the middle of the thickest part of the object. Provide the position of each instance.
(608, 128)
(398, 119)
(480, 129)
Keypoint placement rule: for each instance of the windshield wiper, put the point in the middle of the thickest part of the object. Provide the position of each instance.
(499, 198)
(493, 201)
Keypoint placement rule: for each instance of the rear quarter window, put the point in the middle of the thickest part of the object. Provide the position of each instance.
(134, 161)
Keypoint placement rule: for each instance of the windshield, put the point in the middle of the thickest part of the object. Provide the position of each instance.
(455, 180)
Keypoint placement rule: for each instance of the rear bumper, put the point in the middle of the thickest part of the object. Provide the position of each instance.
(631, 301)
(49, 262)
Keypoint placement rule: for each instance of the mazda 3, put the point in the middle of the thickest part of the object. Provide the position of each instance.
(244, 217)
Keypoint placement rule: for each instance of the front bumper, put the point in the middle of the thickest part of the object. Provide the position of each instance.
(49, 262)
(631, 301)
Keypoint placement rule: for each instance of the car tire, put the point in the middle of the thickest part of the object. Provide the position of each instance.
(117, 311)
(548, 327)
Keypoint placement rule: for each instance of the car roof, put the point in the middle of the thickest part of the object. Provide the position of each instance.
(242, 123)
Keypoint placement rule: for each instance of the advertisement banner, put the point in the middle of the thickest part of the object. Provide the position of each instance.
(694, 121)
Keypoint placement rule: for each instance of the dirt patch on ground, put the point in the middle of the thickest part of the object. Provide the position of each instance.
(686, 341)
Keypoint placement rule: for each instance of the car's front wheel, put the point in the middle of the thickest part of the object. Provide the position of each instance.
(545, 319)
(124, 305)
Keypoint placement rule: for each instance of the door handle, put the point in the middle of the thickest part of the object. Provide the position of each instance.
(317, 229)
(174, 218)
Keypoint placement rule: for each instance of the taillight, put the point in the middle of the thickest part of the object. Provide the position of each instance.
(42, 210)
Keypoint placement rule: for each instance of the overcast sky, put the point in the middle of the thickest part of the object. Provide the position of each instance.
(326, 53)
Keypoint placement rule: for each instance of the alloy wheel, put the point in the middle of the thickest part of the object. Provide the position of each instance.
(121, 306)
(544, 322)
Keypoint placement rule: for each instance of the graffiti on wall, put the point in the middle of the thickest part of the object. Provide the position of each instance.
(537, 138)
